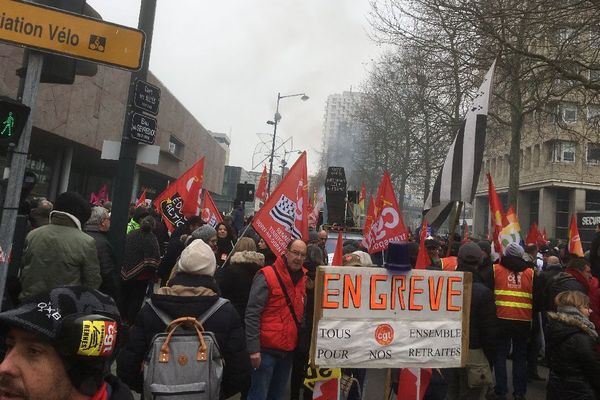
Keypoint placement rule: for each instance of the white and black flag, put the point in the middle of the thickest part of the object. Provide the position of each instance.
(284, 213)
(457, 180)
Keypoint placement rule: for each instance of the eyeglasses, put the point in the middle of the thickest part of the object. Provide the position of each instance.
(297, 253)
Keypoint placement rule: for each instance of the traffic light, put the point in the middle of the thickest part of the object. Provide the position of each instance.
(13, 116)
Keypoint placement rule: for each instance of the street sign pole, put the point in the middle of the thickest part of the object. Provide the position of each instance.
(17, 167)
(128, 154)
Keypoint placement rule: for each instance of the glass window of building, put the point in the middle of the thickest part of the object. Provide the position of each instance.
(562, 151)
(568, 112)
(176, 147)
(593, 153)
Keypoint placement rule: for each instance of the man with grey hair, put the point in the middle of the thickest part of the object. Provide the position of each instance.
(97, 227)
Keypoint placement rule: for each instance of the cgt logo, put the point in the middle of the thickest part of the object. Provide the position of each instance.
(384, 334)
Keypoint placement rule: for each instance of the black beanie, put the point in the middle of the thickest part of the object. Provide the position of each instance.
(74, 204)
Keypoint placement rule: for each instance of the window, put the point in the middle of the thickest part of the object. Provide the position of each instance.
(593, 114)
(593, 153)
(176, 147)
(568, 112)
(562, 212)
(562, 151)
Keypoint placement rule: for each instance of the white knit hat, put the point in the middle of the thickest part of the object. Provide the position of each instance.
(198, 258)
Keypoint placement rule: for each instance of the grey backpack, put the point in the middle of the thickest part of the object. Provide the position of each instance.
(184, 363)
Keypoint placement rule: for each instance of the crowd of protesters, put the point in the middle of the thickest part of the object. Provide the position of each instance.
(529, 304)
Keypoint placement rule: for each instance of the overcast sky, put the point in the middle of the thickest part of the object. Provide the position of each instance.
(226, 61)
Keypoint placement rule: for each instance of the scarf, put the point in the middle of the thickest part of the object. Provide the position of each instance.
(573, 314)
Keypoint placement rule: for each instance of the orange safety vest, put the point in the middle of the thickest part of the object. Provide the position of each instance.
(514, 293)
(449, 263)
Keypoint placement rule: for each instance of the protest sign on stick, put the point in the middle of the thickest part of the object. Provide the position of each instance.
(375, 318)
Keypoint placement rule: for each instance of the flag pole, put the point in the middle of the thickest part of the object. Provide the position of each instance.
(453, 228)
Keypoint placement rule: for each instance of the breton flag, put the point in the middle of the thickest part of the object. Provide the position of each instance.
(457, 180)
(284, 216)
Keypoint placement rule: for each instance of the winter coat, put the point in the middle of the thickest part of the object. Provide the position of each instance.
(235, 280)
(270, 257)
(483, 324)
(513, 328)
(188, 296)
(224, 247)
(58, 254)
(117, 390)
(574, 365)
(142, 256)
(106, 257)
(174, 250)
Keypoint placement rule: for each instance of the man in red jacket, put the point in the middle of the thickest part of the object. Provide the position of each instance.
(273, 315)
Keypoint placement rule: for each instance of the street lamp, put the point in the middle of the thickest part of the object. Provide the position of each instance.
(274, 122)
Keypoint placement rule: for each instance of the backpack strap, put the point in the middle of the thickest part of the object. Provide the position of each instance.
(159, 313)
(213, 309)
(207, 314)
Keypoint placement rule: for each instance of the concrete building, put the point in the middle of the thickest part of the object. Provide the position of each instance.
(72, 121)
(224, 140)
(559, 175)
(341, 130)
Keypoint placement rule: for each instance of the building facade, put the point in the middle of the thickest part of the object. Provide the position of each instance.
(559, 174)
(341, 130)
(71, 122)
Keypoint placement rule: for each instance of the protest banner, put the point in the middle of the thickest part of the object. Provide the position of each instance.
(375, 318)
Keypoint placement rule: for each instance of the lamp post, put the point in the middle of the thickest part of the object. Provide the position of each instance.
(274, 122)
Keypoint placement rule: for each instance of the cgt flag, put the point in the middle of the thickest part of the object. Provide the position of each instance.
(186, 188)
(284, 216)
(388, 225)
(142, 200)
(497, 218)
(574, 246)
(261, 191)
(210, 212)
(368, 221)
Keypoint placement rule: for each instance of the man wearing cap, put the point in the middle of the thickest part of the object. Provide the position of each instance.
(60, 253)
(483, 326)
(515, 297)
(60, 346)
(274, 313)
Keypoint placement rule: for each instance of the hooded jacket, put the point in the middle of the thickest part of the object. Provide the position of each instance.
(235, 280)
(574, 365)
(188, 295)
(58, 254)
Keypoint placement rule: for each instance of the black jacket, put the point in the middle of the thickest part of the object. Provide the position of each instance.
(117, 390)
(483, 325)
(560, 282)
(571, 354)
(177, 302)
(106, 257)
(235, 278)
(172, 253)
(512, 328)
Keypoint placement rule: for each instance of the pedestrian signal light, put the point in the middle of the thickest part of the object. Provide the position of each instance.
(13, 116)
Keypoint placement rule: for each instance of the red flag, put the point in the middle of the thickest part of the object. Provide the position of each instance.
(170, 202)
(210, 212)
(368, 221)
(362, 197)
(261, 192)
(191, 202)
(142, 200)
(101, 197)
(544, 236)
(327, 390)
(413, 383)
(497, 217)
(574, 245)
(339, 253)
(388, 224)
(284, 216)
(533, 236)
(465, 233)
(423, 259)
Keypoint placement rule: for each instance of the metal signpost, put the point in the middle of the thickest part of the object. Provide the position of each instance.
(61, 32)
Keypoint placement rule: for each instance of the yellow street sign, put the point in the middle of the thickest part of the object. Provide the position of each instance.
(57, 31)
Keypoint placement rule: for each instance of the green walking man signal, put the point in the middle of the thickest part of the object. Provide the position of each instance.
(13, 116)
